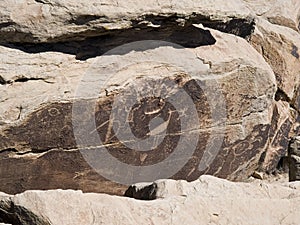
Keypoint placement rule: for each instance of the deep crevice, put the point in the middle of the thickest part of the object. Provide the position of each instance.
(6, 24)
(43, 2)
(9, 150)
(96, 42)
(21, 80)
(280, 95)
(25, 79)
(239, 27)
(84, 19)
(40, 1)
(189, 37)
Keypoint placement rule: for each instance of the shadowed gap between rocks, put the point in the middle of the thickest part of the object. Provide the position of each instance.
(18, 215)
(188, 37)
(93, 44)
(280, 95)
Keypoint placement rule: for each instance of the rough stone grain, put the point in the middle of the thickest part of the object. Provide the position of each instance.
(48, 45)
(279, 46)
(70, 20)
(208, 200)
(294, 159)
(44, 130)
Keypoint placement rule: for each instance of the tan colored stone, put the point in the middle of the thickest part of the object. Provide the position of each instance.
(246, 81)
(284, 13)
(40, 72)
(53, 20)
(204, 201)
(279, 46)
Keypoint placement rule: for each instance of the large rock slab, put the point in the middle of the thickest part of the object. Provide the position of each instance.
(56, 21)
(282, 122)
(204, 201)
(245, 102)
(279, 46)
(226, 145)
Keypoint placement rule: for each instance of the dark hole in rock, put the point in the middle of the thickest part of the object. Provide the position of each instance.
(262, 158)
(84, 19)
(145, 193)
(281, 95)
(25, 79)
(2, 81)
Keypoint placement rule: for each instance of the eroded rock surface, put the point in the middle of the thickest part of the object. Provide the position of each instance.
(294, 159)
(242, 81)
(49, 132)
(278, 45)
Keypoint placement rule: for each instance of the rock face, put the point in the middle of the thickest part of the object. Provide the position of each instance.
(88, 102)
(16, 214)
(294, 159)
(212, 200)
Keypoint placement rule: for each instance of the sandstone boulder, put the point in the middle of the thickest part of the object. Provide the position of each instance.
(283, 13)
(52, 21)
(40, 136)
(234, 109)
(204, 201)
(279, 46)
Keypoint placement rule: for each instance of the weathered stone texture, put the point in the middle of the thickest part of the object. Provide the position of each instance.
(206, 200)
(294, 159)
(248, 50)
